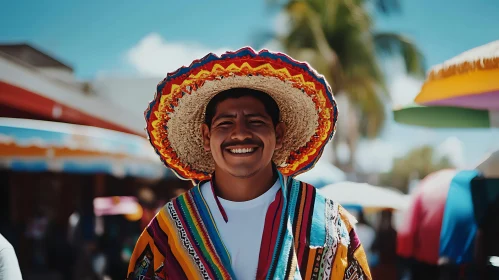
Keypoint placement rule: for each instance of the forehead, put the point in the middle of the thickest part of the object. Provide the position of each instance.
(246, 104)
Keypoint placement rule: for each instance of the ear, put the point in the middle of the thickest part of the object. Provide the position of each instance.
(280, 130)
(205, 132)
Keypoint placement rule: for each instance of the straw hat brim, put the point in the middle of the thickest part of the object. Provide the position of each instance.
(305, 100)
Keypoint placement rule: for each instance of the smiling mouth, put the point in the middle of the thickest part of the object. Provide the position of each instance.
(242, 151)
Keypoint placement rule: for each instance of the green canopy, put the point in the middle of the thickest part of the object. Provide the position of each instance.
(442, 117)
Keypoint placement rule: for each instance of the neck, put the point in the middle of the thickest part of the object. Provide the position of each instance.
(239, 189)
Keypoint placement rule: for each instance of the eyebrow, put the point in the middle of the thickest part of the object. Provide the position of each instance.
(233, 116)
(224, 116)
(257, 115)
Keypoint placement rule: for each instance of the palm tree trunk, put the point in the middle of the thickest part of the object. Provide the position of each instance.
(348, 132)
(326, 51)
(352, 139)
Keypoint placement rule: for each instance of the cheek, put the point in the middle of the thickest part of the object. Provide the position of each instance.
(216, 139)
(268, 138)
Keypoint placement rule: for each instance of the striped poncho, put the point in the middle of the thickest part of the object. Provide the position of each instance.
(306, 236)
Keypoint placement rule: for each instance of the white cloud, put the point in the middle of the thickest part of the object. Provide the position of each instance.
(403, 89)
(154, 56)
(273, 45)
(281, 24)
(453, 149)
(281, 27)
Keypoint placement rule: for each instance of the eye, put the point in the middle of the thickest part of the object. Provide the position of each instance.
(224, 123)
(257, 122)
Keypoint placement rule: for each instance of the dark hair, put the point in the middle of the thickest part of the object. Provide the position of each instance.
(268, 102)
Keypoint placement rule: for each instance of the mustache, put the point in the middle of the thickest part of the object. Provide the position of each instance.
(244, 142)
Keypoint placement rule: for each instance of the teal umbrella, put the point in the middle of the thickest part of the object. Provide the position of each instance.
(446, 117)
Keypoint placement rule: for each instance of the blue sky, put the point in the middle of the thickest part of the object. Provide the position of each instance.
(445, 28)
(93, 35)
(96, 37)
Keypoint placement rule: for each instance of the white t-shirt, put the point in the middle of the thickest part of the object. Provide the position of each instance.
(9, 267)
(242, 233)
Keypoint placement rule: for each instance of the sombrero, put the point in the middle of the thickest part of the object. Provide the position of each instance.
(305, 100)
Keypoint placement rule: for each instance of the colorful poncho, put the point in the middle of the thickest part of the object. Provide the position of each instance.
(306, 236)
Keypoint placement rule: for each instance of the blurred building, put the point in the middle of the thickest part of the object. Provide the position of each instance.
(40, 192)
(35, 85)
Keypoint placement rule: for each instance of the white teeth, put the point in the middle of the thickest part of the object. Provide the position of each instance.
(242, 151)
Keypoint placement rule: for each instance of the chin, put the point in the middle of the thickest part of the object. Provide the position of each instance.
(243, 172)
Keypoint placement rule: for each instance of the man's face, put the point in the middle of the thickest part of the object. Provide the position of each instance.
(242, 137)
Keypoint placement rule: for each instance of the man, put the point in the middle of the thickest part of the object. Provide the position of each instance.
(9, 267)
(240, 126)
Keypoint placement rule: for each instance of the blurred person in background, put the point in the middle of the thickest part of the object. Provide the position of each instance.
(385, 247)
(60, 256)
(487, 243)
(112, 243)
(36, 232)
(237, 126)
(149, 204)
(9, 266)
(83, 241)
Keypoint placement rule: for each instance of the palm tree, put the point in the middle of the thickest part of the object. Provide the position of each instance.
(337, 38)
(416, 165)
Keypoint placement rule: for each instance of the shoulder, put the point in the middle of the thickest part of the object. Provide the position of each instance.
(349, 220)
(9, 267)
(340, 211)
(4, 244)
(329, 219)
(160, 228)
(302, 188)
(185, 198)
(171, 213)
(165, 214)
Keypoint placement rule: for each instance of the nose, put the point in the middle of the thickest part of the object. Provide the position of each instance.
(241, 131)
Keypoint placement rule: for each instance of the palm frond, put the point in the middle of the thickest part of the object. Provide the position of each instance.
(336, 37)
(387, 7)
(393, 43)
(307, 31)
